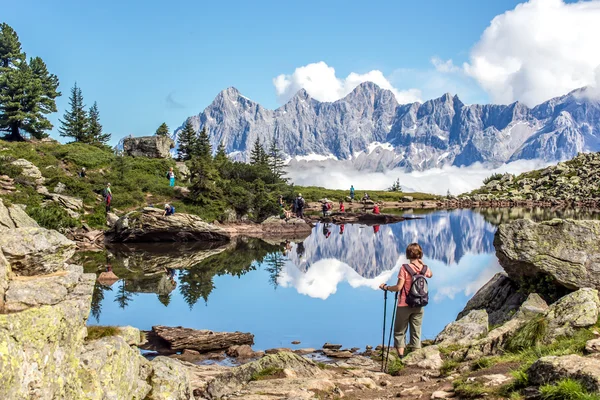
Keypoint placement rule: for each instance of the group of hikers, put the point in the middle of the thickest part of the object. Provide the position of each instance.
(107, 192)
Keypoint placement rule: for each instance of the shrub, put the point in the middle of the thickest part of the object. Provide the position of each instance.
(97, 332)
(52, 216)
(491, 178)
(448, 366)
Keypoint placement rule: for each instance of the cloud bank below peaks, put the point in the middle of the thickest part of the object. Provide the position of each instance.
(321, 82)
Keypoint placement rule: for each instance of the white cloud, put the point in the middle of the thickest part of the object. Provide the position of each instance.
(539, 50)
(321, 82)
(436, 180)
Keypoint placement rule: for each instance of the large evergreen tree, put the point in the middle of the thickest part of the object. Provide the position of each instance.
(75, 124)
(95, 135)
(203, 146)
(187, 142)
(257, 154)
(163, 130)
(27, 90)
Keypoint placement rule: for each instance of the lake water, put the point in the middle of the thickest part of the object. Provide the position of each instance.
(321, 289)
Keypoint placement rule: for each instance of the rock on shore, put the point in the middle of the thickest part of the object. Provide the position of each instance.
(150, 225)
(568, 251)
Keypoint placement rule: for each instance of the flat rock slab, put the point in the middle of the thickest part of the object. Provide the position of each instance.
(203, 341)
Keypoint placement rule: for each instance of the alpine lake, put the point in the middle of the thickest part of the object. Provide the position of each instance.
(323, 288)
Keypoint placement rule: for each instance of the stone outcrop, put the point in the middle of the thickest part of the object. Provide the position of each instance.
(15, 217)
(236, 378)
(72, 205)
(29, 170)
(157, 146)
(4, 278)
(169, 380)
(570, 181)
(462, 332)
(275, 226)
(427, 358)
(499, 297)
(552, 369)
(150, 225)
(32, 251)
(566, 250)
(579, 309)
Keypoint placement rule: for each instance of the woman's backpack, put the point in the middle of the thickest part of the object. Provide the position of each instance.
(418, 294)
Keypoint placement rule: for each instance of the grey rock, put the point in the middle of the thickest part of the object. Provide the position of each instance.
(184, 171)
(4, 276)
(237, 377)
(157, 146)
(149, 225)
(29, 170)
(532, 307)
(593, 346)
(552, 369)
(111, 219)
(32, 251)
(467, 329)
(427, 358)
(499, 297)
(566, 250)
(60, 188)
(169, 380)
(67, 202)
(15, 217)
(576, 310)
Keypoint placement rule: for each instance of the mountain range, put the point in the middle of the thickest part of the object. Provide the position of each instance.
(371, 131)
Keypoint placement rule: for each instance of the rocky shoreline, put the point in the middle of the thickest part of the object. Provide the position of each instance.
(550, 287)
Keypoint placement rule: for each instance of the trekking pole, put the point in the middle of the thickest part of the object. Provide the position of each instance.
(383, 333)
(391, 329)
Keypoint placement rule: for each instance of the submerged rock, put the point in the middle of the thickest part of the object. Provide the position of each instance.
(552, 369)
(150, 225)
(157, 146)
(32, 251)
(566, 250)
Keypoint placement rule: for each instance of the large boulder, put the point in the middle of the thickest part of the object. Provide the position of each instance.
(169, 380)
(552, 369)
(157, 146)
(566, 250)
(579, 309)
(500, 297)
(280, 227)
(464, 331)
(237, 377)
(4, 276)
(39, 351)
(111, 367)
(32, 251)
(150, 225)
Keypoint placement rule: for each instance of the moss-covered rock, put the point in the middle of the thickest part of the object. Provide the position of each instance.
(467, 329)
(169, 380)
(579, 309)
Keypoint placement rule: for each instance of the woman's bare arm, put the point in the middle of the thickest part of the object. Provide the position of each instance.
(395, 288)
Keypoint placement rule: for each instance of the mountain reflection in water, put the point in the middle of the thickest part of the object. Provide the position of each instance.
(321, 289)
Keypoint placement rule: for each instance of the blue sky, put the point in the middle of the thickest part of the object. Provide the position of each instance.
(146, 62)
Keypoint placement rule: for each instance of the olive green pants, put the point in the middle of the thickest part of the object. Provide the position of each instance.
(405, 317)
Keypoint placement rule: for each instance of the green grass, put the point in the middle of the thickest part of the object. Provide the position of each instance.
(97, 332)
(484, 363)
(395, 365)
(266, 373)
(567, 389)
(528, 336)
(448, 366)
(313, 193)
(469, 390)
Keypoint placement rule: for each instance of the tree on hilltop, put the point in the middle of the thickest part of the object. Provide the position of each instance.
(187, 142)
(75, 122)
(163, 130)
(95, 135)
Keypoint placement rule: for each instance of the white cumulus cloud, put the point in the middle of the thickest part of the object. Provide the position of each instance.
(539, 50)
(321, 82)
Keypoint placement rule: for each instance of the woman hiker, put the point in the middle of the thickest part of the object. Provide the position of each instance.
(407, 315)
(171, 176)
(107, 193)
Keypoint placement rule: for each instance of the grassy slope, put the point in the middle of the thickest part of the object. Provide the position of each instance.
(135, 182)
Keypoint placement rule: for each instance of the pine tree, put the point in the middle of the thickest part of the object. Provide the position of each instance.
(257, 153)
(163, 130)
(75, 124)
(187, 142)
(221, 155)
(95, 135)
(203, 148)
(275, 161)
(27, 90)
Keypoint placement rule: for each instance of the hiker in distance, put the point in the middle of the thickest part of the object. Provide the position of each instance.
(299, 204)
(413, 296)
(107, 195)
(171, 177)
